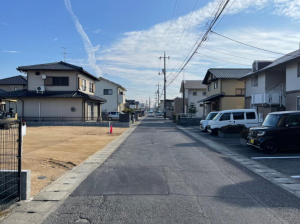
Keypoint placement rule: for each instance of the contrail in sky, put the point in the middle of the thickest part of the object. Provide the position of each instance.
(87, 43)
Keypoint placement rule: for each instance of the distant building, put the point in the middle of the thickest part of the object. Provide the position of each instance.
(13, 83)
(113, 92)
(194, 91)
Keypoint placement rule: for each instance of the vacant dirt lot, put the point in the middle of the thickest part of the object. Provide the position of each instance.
(49, 152)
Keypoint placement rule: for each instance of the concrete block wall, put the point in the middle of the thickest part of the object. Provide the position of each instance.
(89, 124)
(189, 121)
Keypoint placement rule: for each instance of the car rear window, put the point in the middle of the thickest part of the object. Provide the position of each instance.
(250, 115)
(238, 116)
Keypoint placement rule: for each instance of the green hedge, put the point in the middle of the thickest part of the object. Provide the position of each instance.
(232, 128)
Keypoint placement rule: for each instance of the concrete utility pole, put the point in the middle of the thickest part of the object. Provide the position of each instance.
(183, 95)
(149, 103)
(158, 94)
(165, 81)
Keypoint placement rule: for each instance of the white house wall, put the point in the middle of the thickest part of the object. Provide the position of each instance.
(292, 81)
(258, 89)
(194, 99)
(112, 100)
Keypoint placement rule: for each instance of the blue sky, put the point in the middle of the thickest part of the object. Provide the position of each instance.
(122, 40)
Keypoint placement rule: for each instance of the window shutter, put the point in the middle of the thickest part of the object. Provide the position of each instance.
(93, 87)
(79, 82)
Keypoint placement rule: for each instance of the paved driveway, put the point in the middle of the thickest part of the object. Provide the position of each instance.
(161, 175)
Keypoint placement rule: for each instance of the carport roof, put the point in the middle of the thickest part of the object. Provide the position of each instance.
(213, 97)
(50, 94)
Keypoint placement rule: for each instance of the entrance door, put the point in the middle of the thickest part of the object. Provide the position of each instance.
(90, 111)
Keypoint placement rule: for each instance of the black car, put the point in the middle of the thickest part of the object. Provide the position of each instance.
(279, 130)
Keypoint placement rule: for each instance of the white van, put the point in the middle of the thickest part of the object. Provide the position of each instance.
(204, 123)
(247, 117)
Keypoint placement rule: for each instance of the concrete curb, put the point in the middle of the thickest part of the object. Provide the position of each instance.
(281, 180)
(52, 196)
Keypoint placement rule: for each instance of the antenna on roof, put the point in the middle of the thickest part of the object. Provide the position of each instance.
(64, 53)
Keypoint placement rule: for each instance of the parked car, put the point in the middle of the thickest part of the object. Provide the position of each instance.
(210, 116)
(113, 115)
(150, 114)
(247, 117)
(279, 130)
(158, 113)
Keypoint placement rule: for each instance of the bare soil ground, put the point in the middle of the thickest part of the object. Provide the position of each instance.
(49, 152)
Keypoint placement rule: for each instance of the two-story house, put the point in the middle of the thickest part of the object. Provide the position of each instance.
(194, 91)
(13, 83)
(224, 90)
(57, 91)
(113, 93)
(274, 85)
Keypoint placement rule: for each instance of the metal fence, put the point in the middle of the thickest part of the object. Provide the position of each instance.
(10, 162)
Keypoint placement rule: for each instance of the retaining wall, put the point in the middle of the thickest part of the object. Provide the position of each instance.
(90, 124)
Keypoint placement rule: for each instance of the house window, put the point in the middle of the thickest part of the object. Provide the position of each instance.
(107, 92)
(201, 105)
(215, 85)
(56, 81)
(298, 69)
(240, 92)
(204, 93)
(208, 88)
(298, 103)
(83, 84)
(91, 87)
(194, 93)
(254, 81)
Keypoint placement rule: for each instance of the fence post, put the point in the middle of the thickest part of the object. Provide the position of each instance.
(20, 159)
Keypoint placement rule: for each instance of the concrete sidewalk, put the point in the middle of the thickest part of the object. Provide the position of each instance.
(162, 175)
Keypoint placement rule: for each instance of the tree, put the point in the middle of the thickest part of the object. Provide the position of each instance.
(192, 108)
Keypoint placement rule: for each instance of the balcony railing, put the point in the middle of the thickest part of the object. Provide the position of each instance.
(271, 98)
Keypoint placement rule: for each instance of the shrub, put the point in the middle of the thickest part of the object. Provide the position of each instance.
(232, 128)
(244, 133)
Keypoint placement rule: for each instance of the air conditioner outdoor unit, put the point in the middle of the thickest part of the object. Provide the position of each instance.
(40, 89)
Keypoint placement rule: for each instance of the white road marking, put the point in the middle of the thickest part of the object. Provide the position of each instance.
(295, 176)
(283, 157)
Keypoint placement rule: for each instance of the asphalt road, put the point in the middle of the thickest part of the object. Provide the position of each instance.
(285, 161)
(162, 175)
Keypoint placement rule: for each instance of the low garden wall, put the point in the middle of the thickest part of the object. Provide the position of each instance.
(188, 121)
(91, 124)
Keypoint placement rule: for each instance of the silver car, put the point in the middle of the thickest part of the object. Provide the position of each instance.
(113, 116)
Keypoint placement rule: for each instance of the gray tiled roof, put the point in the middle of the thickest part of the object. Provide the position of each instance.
(192, 84)
(15, 80)
(50, 94)
(55, 66)
(104, 79)
(213, 97)
(226, 73)
(286, 58)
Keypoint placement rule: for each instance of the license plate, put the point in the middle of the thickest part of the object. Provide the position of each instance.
(252, 141)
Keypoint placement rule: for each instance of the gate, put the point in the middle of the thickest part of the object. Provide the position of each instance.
(10, 162)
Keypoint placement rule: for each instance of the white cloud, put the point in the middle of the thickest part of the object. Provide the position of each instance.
(134, 55)
(97, 31)
(12, 52)
(55, 39)
(87, 43)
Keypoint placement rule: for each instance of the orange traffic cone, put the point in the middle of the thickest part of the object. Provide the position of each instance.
(111, 129)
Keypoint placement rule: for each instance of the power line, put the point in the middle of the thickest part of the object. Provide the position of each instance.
(170, 24)
(228, 54)
(219, 11)
(185, 27)
(221, 59)
(274, 52)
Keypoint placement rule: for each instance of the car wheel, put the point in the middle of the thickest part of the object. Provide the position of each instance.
(270, 147)
(109, 118)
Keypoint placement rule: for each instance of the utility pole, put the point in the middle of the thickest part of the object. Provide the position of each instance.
(183, 94)
(165, 80)
(158, 95)
(149, 103)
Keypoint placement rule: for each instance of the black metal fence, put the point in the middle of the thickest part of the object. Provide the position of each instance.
(58, 119)
(10, 162)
